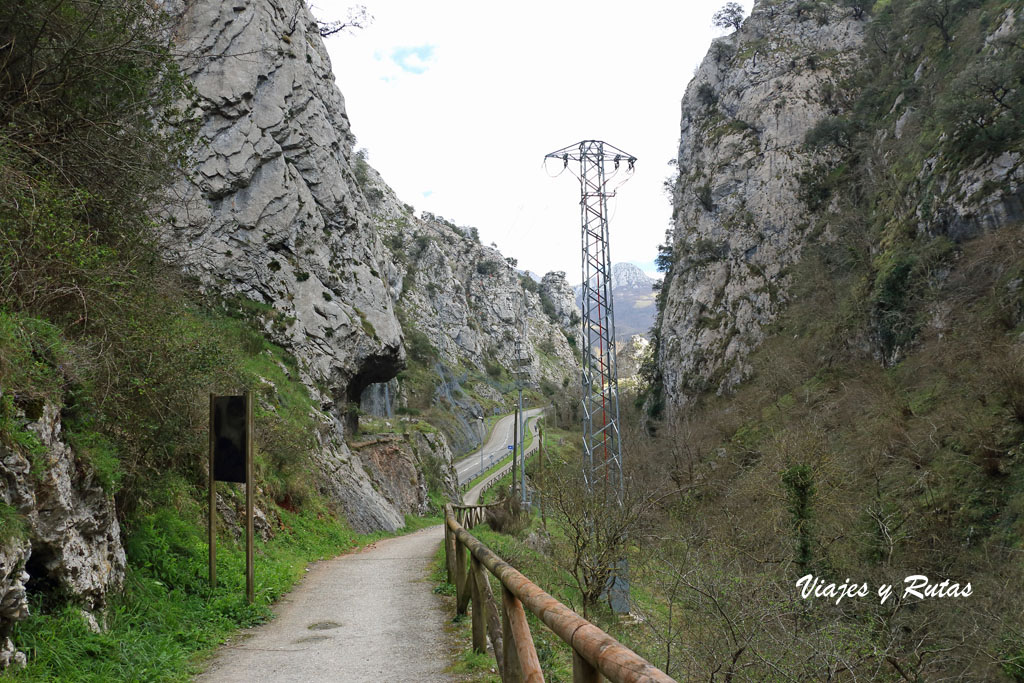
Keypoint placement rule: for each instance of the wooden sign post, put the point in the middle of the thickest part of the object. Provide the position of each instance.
(231, 447)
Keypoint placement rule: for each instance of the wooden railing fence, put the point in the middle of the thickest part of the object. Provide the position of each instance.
(594, 652)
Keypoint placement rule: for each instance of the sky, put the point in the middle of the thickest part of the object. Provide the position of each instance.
(457, 102)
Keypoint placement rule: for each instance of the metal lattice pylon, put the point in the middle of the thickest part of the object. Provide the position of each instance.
(602, 447)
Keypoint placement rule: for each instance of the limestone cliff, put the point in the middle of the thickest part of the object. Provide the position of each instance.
(272, 211)
(556, 289)
(71, 543)
(464, 306)
(818, 121)
(737, 222)
(279, 210)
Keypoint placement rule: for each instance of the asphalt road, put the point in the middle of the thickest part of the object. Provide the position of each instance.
(494, 450)
(366, 616)
(472, 496)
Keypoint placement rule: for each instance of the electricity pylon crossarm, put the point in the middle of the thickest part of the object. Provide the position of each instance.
(602, 447)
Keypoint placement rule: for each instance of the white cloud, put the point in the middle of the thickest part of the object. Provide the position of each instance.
(463, 119)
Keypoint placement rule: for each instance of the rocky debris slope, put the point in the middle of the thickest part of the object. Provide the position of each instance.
(72, 539)
(738, 224)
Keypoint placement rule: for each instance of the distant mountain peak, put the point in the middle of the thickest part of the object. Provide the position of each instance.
(633, 293)
(628, 275)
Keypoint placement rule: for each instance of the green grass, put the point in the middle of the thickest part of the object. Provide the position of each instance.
(12, 526)
(504, 461)
(168, 618)
(490, 494)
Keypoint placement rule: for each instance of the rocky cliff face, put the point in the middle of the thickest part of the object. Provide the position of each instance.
(272, 211)
(280, 211)
(464, 306)
(466, 297)
(738, 224)
(72, 543)
(556, 289)
(783, 133)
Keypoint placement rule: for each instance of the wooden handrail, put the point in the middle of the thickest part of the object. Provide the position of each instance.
(471, 515)
(593, 649)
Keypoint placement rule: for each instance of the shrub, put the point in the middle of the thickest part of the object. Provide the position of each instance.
(489, 267)
(706, 95)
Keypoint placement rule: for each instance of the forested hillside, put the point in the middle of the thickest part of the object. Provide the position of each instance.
(838, 375)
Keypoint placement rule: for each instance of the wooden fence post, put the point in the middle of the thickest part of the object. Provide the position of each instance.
(479, 608)
(493, 623)
(508, 642)
(461, 588)
(582, 670)
(449, 553)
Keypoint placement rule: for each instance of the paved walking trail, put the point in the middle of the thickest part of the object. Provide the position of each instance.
(366, 616)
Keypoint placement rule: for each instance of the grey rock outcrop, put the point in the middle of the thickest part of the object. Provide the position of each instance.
(557, 290)
(738, 224)
(278, 209)
(463, 306)
(631, 355)
(72, 539)
(466, 297)
(14, 554)
(272, 211)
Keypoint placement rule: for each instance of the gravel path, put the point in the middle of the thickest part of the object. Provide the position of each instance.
(366, 616)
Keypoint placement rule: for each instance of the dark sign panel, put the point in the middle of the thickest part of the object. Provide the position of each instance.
(229, 415)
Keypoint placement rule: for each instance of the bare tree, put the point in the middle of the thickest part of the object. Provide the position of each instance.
(597, 529)
(358, 17)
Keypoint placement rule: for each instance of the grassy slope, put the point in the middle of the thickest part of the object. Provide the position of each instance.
(92, 321)
(880, 435)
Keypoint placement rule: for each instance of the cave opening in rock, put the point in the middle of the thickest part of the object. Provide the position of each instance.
(43, 589)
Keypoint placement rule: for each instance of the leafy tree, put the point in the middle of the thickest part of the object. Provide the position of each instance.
(706, 95)
(938, 14)
(663, 261)
(488, 267)
(597, 530)
(834, 131)
(731, 15)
